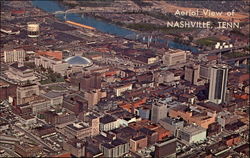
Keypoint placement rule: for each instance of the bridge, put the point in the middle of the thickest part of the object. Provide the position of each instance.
(239, 60)
(89, 10)
(217, 51)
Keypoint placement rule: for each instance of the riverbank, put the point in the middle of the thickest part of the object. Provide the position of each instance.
(108, 27)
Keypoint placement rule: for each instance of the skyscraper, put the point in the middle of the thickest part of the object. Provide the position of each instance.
(218, 84)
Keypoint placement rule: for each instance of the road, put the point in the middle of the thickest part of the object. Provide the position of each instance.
(34, 138)
(9, 151)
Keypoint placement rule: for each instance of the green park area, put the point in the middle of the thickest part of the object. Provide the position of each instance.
(52, 77)
(208, 41)
(146, 27)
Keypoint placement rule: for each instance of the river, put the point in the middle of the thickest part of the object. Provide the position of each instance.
(100, 25)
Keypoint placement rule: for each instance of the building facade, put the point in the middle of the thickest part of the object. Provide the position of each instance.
(159, 111)
(192, 73)
(166, 148)
(14, 55)
(138, 143)
(53, 63)
(120, 89)
(218, 84)
(173, 57)
(108, 123)
(116, 148)
(24, 92)
(192, 134)
(78, 130)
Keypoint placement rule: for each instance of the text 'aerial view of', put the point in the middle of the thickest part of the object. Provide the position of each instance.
(125, 78)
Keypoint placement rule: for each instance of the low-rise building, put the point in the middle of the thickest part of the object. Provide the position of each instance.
(232, 139)
(53, 63)
(21, 73)
(26, 150)
(151, 135)
(78, 130)
(116, 148)
(75, 147)
(40, 104)
(172, 124)
(94, 96)
(55, 98)
(120, 89)
(28, 119)
(75, 103)
(25, 92)
(138, 143)
(54, 118)
(199, 116)
(173, 57)
(166, 148)
(108, 123)
(45, 131)
(192, 134)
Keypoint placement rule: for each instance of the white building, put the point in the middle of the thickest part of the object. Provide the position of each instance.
(14, 55)
(173, 57)
(108, 123)
(56, 65)
(218, 84)
(192, 134)
(119, 90)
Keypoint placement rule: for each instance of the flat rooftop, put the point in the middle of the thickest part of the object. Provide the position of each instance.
(78, 126)
(193, 130)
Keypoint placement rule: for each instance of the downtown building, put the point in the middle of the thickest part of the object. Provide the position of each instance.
(174, 57)
(14, 55)
(159, 111)
(218, 84)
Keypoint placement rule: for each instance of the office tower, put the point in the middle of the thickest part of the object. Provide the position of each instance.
(192, 73)
(218, 84)
(159, 111)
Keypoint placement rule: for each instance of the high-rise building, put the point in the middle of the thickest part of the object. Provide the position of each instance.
(192, 73)
(14, 55)
(159, 111)
(173, 57)
(218, 84)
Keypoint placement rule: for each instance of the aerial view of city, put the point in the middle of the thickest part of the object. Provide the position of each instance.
(125, 78)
